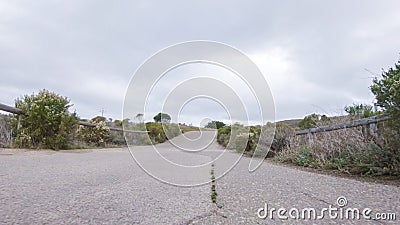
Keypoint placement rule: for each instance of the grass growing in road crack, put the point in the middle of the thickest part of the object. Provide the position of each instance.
(213, 189)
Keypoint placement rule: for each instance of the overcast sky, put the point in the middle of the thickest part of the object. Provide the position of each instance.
(317, 56)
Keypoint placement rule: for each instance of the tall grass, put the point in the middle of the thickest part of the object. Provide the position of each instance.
(351, 150)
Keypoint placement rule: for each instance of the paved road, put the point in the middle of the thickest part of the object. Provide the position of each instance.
(108, 187)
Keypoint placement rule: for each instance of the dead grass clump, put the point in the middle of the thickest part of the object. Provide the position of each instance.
(351, 150)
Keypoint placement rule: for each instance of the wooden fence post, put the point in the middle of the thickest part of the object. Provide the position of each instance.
(373, 129)
(19, 122)
(310, 137)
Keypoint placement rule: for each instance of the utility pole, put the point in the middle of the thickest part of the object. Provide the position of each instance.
(102, 112)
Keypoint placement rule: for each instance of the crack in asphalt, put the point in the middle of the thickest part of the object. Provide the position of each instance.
(316, 198)
(213, 186)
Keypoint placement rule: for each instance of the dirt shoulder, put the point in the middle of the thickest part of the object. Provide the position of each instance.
(387, 180)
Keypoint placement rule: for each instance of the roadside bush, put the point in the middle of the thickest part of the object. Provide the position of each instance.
(313, 120)
(282, 137)
(234, 137)
(156, 132)
(309, 121)
(246, 140)
(223, 135)
(97, 135)
(358, 111)
(387, 93)
(47, 123)
(306, 158)
(160, 132)
(215, 125)
(227, 136)
(242, 143)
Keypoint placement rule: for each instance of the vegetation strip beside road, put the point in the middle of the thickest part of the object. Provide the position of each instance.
(345, 143)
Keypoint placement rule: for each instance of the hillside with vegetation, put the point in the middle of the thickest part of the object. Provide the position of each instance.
(47, 123)
(355, 150)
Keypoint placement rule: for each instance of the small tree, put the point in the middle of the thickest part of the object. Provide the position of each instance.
(139, 117)
(309, 121)
(313, 120)
(47, 123)
(118, 123)
(99, 119)
(162, 118)
(360, 110)
(215, 125)
(387, 93)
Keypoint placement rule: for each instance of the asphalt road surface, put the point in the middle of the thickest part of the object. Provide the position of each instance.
(108, 187)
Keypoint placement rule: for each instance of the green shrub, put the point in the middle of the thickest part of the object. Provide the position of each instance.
(309, 121)
(313, 120)
(47, 123)
(377, 161)
(340, 163)
(247, 139)
(95, 135)
(160, 132)
(361, 111)
(223, 135)
(237, 131)
(387, 93)
(156, 132)
(161, 118)
(242, 143)
(306, 158)
(215, 125)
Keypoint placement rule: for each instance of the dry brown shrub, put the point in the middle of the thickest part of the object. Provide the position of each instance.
(352, 150)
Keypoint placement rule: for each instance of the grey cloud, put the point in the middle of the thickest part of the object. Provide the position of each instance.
(78, 48)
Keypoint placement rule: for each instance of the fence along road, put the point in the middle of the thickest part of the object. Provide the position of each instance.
(17, 111)
(372, 121)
